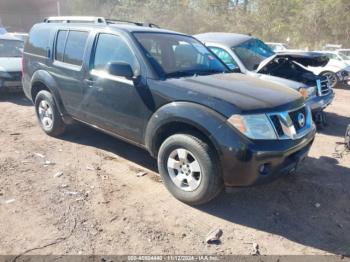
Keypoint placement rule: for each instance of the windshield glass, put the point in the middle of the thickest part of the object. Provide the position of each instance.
(344, 57)
(252, 53)
(177, 55)
(11, 48)
(345, 52)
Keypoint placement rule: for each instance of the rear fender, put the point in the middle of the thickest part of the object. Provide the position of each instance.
(46, 79)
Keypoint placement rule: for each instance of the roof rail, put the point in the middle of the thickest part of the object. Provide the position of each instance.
(93, 19)
(75, 19)
(117, 21)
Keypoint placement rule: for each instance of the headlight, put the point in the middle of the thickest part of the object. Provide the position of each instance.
(307, 92)
(253, 126)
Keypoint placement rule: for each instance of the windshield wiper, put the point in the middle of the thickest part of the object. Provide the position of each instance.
(209, 72)
(180, 74)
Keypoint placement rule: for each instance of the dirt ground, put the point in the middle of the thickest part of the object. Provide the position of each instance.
(101, 206)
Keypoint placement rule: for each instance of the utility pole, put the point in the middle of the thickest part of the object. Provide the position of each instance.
(58, 8)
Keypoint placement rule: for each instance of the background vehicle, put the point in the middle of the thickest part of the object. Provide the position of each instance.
(21, 36)
(3, 30)
(345, 52)
(166, 92)
(336, 70)
(277, 47)
(281, 47)
(253, 57)
(11, 50)
(331, 47)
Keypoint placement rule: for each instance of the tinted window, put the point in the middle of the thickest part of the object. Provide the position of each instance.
(60, 43)
(225, 57)
(75, 46)
(252, 53)
(178, 55)
(38, 42)
(112, 48)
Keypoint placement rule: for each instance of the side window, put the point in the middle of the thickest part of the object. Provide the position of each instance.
(225, 57)
(75, 47)
(112, 48)
(60, 44)
(38, 41)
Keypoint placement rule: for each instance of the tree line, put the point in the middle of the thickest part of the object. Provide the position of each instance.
(300, 23)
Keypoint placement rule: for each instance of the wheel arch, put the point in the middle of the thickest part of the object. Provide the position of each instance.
(42, 80)
(182, 117)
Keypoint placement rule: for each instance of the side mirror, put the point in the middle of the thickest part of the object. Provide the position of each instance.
(122, 69)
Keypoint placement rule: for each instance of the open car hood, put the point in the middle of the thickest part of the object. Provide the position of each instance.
(304, 58)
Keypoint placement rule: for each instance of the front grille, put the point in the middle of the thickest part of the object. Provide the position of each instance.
(15, 76)
(291, 124)
(323, 86)
(294, 116)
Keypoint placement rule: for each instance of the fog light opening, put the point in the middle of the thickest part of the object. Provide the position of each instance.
(264, 169)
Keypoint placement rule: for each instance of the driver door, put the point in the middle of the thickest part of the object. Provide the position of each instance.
(111, 102)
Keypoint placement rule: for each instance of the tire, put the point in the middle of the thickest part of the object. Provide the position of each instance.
(50, 119)
(332, 77)
(196, 187)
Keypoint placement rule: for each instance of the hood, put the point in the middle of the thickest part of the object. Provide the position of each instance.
(304, 58)
(10, 64)
(280, 80)
(244, 93)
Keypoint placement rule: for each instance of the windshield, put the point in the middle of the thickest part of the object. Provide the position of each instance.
(11, 48)
(345, 52)
(252, 53)
(177, 55)
(344, 57)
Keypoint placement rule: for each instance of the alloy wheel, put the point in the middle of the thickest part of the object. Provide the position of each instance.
(184, 169)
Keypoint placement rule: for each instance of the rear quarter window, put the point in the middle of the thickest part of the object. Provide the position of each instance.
(75, 47)
(38, 41)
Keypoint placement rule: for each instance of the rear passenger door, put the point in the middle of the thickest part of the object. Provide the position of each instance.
(68, 69)
(111, 102)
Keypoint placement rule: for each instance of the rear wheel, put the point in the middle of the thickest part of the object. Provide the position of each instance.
(189, 169)
(48, 115)
(332, 78)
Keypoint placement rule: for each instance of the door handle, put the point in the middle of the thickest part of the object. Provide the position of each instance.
(89, 82)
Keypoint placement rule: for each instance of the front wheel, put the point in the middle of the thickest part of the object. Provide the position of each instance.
(189, 169)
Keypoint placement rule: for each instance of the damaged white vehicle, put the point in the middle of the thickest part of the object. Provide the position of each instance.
(337, 70)
(251, 56)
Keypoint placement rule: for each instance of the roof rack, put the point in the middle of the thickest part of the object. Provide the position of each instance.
(117, 21)
(75, 19)
(95, 20)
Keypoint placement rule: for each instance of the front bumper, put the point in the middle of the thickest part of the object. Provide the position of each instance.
(318, 103)
(10, 85)
(245, 164)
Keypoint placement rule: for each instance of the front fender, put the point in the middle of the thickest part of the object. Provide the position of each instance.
(208, 121)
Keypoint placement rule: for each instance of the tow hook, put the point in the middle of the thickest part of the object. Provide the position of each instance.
(320, 119)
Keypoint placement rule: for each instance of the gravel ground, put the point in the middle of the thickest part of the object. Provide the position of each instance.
(81, 194)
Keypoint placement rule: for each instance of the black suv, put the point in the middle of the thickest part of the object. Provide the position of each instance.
(165, 92)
